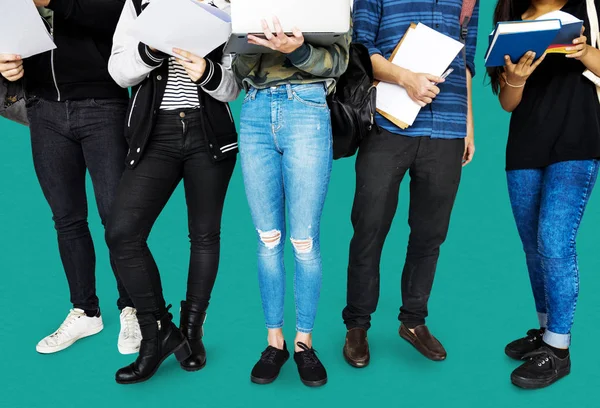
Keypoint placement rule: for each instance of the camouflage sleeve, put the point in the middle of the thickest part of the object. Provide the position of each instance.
(243, 65)
(324, 62)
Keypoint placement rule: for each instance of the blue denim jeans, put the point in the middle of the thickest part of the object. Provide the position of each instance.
(286, 155)
(548, 205)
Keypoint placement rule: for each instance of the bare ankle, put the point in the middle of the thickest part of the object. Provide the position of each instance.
(275, 338)
(305, 338)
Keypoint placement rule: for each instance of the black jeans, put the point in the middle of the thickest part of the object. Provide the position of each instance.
(68, 139)
(435, 168)
(177, 150)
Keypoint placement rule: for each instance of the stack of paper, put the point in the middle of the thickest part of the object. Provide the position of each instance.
(422, 50)
(185, 24)
(22, 31)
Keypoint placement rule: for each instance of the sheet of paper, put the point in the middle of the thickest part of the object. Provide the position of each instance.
(22, 30)
(423, 50)
(185, 24)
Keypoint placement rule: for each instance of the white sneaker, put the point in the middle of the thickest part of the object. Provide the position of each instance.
(76, 326)
(130, 335)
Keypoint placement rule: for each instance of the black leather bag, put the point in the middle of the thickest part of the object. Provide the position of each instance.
(12, 101)
(352, 104)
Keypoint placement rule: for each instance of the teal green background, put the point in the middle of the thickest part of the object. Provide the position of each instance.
(481, 300)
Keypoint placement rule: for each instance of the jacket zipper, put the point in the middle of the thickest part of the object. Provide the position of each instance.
(133, 105)
(52, 60)
(229, 111)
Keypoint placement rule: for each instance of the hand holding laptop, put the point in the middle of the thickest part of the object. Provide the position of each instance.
(279, 41)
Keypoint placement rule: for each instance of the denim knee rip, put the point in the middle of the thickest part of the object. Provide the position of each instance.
(270, 239)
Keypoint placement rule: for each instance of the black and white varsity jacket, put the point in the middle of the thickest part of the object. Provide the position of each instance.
(133, 64)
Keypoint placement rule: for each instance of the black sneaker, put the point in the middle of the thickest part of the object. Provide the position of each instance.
(519, 348)
(267, 369)
(312, 373)
(542, 369)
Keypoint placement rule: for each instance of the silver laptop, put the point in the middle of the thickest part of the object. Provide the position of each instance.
(322, 22)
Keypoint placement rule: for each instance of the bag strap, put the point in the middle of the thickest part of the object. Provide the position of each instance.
(465, 17)
(594, 28)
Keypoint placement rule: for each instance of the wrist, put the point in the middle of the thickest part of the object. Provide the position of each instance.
(402, 76)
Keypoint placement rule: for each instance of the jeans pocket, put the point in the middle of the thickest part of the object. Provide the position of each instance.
(32, 102)
(314, 96)
(113, 104)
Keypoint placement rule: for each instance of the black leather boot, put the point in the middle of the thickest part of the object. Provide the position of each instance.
(160, 339)
(191, 323)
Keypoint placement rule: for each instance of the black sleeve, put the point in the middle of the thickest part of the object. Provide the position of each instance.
(98, 15)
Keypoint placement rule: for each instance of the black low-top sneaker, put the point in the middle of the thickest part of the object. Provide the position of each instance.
(311, 370)
(541, 369)
(268, 367)
(525, 345)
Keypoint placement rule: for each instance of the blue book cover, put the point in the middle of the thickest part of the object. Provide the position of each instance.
(516, 44)
(565, 37)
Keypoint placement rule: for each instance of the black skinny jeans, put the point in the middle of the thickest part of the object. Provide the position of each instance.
(177, 150)
(435, 167)
(68, 139)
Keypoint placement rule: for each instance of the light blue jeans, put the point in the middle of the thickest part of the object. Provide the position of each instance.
(548, 205)
(286, 155)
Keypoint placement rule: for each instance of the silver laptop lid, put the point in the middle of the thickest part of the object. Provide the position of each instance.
(310, 16)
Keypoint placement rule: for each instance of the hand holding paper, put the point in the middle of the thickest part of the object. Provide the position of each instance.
(11, 67)
(184, 24)
(424, 54)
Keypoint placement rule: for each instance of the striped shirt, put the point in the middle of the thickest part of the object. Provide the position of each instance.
(181, 92)
(381, 24)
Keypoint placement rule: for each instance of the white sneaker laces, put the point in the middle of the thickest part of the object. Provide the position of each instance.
(131, 327)
(71, 318)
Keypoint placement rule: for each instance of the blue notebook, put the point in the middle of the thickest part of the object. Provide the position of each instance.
(515, 38)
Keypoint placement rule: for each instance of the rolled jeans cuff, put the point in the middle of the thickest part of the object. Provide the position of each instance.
(556, 340)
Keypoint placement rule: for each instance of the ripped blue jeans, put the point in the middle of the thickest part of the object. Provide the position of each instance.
(286, 155)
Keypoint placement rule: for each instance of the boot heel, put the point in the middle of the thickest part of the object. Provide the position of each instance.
(183, 351)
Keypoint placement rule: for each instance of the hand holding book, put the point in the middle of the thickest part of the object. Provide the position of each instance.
(515, 75)
(580, 47)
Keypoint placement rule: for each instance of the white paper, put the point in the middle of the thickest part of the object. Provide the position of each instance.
(185, 24)
(423, 50)
(22, 30)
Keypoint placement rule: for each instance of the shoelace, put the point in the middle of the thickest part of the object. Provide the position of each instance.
(132, 328)
(539, 357)
(309, 355)
(71, 318)
(268, 356)
(532, 335)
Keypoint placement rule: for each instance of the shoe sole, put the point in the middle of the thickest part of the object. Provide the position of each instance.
(52, 350)
(128, 350)
(529, 384)
(178, 354)
(191, 370)
(412, 343)
(314, 384)
(356, 364)
(263, 381)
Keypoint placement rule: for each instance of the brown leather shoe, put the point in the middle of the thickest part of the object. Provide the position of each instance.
(424, 341)
(356, 349)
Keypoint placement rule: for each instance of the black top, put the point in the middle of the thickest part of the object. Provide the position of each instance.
(78, 67)
(558, 118)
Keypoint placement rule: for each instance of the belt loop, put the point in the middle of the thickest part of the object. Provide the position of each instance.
(290, 93)
(253, 92)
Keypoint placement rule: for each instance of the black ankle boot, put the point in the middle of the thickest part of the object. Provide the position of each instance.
(160, 339)
(190, 324)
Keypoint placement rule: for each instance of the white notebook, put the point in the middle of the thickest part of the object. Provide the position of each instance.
(185, 24)
(22, 30)
(423, 50)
